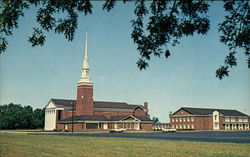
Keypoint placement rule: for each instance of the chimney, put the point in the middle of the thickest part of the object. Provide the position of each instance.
(146, 105)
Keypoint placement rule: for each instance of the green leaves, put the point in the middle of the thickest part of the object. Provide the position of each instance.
(9, 15)
(222, 71)
(168, 22)
(3, 44)
(235, 34)
(37, 38)
(15, 116)
(67, 26)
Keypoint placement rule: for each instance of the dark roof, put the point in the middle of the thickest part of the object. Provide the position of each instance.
(86, 117)
(142, 118)
(207, 111)
(97, 104)
(120, 105)
(64, 102)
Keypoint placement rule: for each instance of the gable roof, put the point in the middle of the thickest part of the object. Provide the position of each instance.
(64, 102)
(207, 111)
(120, 105)
(98, 105)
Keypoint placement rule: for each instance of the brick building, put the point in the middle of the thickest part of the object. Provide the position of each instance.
(86, 114)
(208, 119)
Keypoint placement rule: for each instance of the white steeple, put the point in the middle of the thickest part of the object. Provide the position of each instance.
(85, 78)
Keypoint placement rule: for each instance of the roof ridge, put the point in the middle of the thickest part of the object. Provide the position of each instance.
(112, 102)
(63, 99)
(211, 108)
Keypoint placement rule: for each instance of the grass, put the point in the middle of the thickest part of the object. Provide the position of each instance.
(52, 145)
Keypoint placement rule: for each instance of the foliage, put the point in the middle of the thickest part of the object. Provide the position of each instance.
(235, 33)
(155, 120)
(169, 21)
(13, 116)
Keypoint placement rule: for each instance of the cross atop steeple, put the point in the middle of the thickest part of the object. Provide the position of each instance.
(85, 78)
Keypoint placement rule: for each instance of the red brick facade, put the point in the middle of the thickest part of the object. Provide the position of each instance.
(84, 101)
(183, 120)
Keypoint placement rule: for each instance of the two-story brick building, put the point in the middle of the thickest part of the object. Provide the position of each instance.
(208, 119)
(86, 114)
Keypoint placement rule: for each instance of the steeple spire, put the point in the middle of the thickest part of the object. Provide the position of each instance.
(85, 78)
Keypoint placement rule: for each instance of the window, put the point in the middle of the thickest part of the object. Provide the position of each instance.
(192, 126)
(59, 115)
(245, 119)
(192, 119)
(184, 126)
(176, 127)
(92, 126)
(180, 119)
(105, 126)
(184, 119)
(232, 119)
(227, 119)
(188, 119)
(172, 119)
(176, 119)
(180, 126)
(215, 117)
(240, 119)
(188, 126)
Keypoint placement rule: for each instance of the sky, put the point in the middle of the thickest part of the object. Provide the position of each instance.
(32, 76)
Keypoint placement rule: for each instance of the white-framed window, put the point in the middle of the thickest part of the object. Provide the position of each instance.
(105, 126)
(184, 126)
(192, 119)
(227, 119)
(180, 126)
(172, 119)
(245, 119)
(180, 119)
(240, 119)
(188, 119)
(176, 127)
(176, 119)
(192, 126)
(188, 126)
(184, 119)
(232, 119)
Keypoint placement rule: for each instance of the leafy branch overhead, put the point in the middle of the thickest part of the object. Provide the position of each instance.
(158, 25)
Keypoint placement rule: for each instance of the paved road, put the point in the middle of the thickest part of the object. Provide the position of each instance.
(203, 136)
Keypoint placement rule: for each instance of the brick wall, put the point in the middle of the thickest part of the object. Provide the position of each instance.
(110, 114)
(84, 101)
(147, 126)
(139, 112)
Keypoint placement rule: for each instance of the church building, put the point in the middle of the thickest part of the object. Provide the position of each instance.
(85, 114)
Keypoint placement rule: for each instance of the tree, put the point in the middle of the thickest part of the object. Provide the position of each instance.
(15, 116)
(155, 120)
(39, 115)
(169, 21)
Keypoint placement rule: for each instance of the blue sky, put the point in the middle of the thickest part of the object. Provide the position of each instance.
(31, 76)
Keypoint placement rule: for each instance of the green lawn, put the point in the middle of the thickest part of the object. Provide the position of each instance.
(51, 145)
